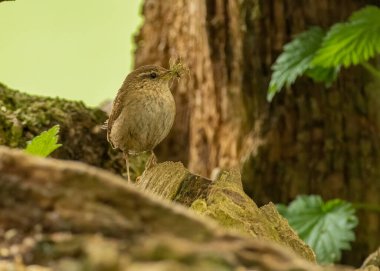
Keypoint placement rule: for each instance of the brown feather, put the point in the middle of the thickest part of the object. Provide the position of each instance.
(115, 112)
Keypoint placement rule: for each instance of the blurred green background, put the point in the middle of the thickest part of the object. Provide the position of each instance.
(79, 50)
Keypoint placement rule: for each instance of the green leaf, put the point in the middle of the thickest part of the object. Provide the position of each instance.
(326, 227)
(353, 42)
(45, 143)
(321, 74)
(295, 59)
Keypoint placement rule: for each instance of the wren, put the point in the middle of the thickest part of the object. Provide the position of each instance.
(143, 111)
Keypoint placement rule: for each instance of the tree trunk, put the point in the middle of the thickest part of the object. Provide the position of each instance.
(308, 140)
(209, 103)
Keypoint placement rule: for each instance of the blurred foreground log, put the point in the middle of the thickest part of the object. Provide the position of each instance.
(69, 216)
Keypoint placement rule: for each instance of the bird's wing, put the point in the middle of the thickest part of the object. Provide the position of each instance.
(115, 113)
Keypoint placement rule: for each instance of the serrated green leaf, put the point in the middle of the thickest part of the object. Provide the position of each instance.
(326, 227)
(353, 42)
(45, 143)
(294, 60)
(321, 74)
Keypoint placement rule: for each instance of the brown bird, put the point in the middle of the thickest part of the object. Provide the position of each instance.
(143, 111)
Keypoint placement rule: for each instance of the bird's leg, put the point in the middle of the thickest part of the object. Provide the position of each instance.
(127, 165)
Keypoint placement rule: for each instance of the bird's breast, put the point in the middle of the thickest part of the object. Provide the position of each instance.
(145, 121)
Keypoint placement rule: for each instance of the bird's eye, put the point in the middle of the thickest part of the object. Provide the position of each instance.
(153, 75)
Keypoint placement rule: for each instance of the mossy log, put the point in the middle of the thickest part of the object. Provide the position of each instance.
(24, 116)
(62, 215)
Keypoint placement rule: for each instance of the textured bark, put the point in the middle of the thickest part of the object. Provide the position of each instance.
(308, 140)
(70, 216)
(316, 140)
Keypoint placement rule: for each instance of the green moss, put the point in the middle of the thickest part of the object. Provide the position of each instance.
(24, 116)
(199, 206)
(228, 204)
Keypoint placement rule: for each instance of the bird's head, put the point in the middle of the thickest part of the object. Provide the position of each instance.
(155, 77)
(152, 77)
